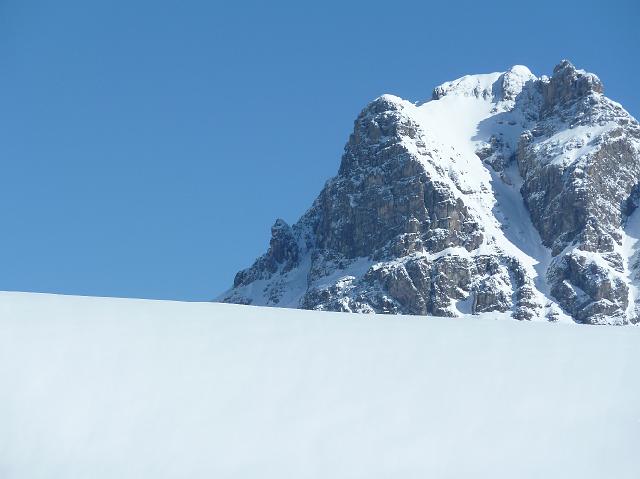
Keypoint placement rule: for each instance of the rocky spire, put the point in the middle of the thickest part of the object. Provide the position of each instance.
(568, 84)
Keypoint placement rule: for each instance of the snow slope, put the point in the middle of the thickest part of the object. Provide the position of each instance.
(105, 388)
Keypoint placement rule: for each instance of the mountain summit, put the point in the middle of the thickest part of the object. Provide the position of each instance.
(506, 193)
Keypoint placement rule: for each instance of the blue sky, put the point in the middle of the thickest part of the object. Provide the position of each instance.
(146, 147)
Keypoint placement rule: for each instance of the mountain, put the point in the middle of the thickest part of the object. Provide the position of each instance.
(107, 388)
(506, 193)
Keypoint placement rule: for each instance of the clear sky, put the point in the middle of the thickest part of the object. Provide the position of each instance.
(147, 146)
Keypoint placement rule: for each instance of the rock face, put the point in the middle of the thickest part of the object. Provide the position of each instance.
(505, 194)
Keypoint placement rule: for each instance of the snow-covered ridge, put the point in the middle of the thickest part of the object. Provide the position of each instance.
(104, 388)
(486, 198)
(491, 86)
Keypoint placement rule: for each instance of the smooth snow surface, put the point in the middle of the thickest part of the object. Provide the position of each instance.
(109, 388)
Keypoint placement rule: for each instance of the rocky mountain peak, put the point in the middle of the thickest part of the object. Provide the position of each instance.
(505, 194)
(568, 84)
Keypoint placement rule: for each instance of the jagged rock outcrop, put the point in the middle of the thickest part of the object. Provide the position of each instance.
(383, 202)
(506, 194)
(580, 165)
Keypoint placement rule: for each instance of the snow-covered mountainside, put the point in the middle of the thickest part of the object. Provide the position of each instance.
(505, 193)
(111, 388)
